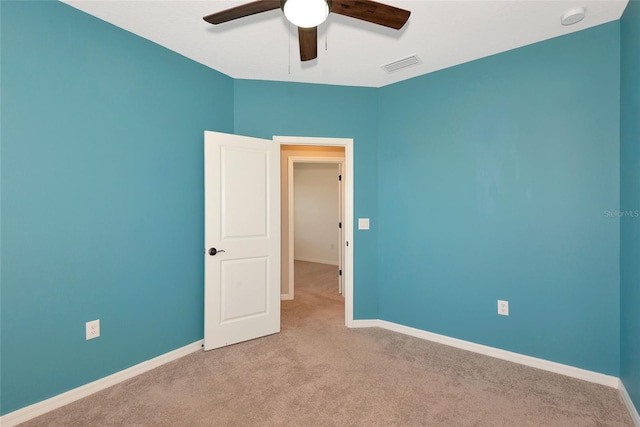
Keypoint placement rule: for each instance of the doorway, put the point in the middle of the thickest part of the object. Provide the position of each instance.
(243, 234)
(315, 202)
(318, 150)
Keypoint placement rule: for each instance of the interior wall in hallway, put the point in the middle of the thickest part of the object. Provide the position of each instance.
(316, 210)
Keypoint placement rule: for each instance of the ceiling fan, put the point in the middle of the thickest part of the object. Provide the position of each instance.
(308, 14)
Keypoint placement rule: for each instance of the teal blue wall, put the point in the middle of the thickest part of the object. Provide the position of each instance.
(498, 175)
(488, 180)
(264, 109)
(630, 201)
(102, 207)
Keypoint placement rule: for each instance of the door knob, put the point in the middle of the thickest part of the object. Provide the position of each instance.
(214, 251)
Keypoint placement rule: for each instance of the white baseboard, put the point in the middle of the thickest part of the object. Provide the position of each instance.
(369, 323)
(558, 368)
(286, 297)
(633, 411)
(29, 412)
(316, 260)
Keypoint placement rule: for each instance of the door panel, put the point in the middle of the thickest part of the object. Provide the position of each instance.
(242, 222)
(244, 289)
(244, 200)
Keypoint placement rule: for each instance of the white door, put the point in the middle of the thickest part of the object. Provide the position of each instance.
(242, 239)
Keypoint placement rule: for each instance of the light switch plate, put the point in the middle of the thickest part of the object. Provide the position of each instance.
(363, 223)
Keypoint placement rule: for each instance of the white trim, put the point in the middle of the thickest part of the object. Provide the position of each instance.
(286, 297)
(633, 411)
(366, 323)
(347, 143)
(29, 412)
(291, 161)
(546, 365)
(316, 260)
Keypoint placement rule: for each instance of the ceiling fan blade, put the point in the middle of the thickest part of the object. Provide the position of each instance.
(308, 38)
(242, 11)
(371, 11)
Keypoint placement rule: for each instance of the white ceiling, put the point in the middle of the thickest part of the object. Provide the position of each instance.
(442, 33)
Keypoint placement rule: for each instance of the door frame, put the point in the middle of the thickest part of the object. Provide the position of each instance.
(347, 177)
(291, 208)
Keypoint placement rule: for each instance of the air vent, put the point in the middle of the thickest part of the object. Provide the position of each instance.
(401, 63)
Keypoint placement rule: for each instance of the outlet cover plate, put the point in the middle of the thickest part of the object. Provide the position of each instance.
(93, 329)
(503, 308)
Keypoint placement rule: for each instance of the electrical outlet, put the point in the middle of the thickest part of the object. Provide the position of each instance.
(503, 308)
(93, 329)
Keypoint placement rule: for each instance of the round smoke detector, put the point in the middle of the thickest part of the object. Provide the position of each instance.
(573, 16)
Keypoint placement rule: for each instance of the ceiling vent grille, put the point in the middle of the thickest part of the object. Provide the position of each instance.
(401, 63)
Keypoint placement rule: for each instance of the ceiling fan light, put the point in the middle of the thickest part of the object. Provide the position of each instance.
(306, 13)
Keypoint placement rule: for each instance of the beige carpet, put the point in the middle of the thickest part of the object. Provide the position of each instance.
(316, 372)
